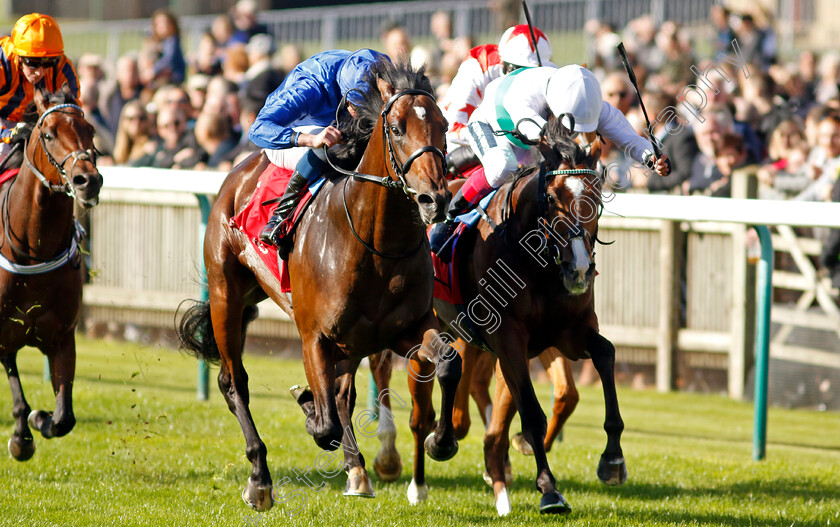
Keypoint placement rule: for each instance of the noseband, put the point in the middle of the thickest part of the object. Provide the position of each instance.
(77, 155)
(553, 250)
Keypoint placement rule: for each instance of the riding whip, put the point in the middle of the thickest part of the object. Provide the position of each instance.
(627, 66)
(531, 28)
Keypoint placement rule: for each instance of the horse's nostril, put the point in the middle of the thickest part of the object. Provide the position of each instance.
(80, 180)
(425, 200)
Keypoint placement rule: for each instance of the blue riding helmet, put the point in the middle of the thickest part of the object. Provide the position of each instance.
(352, 72)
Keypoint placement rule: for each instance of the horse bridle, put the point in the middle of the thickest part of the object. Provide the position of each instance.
(388, 148)
(77, 155)
(399, 170)
(554, 251)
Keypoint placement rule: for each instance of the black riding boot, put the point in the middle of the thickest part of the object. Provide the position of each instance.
(270, 235)
(441, 232)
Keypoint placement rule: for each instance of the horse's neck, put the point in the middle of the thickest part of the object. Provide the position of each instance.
(386, 216)
(39, 220)
(523, 213)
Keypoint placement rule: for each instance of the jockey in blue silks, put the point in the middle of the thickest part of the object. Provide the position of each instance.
(297, 119)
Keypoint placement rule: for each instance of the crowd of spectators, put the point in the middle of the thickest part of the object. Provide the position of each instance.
(167, 107)
(732, 105)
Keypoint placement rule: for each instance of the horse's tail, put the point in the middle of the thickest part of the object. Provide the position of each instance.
(195, 332)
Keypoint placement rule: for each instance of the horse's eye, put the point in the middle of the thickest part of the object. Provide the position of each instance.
(48, 136)
(550, 198)
(395, 130)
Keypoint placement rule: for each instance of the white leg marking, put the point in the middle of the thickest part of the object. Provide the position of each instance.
(417, 494)
(503, 503)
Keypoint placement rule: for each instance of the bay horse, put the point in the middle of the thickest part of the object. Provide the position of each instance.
(532, 266)
(477, 371)
(40, 260)
(361, 280)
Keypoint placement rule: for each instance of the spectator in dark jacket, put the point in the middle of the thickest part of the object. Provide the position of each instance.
(830, 256)
(126, 87)
(176, 147)
(171, 67)
(678, 143)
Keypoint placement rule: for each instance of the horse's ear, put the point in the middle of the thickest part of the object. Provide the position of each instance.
(595, 149)
(385, 89)
(40, 100)
(567, 119)
(65, 88)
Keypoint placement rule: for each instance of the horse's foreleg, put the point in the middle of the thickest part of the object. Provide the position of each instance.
(611, 468)
(318, 401)
(480, 385)
(421, 423)
(226, 313)
(433, 356)
(514, 365)
(566, 396)
(434, 348)
(62, 358)
(461, 412)
(496, 463)
(21, 444)
(358, 481)
(388, 465)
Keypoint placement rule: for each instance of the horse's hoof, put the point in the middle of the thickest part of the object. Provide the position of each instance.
(21, 449)
(503, 503)
(40, 420)
(258, 498)
(437, 452)
(612, 471)
(416, 494)
(388, 465)
(554, 503)
(520, 445)
(358, 483)
(302, 394)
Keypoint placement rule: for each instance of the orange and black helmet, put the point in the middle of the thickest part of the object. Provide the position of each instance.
(37, 35)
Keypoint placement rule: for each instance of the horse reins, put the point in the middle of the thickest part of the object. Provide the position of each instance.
(46, 264)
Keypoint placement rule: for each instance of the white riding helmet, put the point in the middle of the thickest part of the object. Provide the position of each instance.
(574, 89)
(517, 47)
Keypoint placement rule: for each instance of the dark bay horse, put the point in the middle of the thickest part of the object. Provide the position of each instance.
(533, 273)
(361, 281)
(40, 274)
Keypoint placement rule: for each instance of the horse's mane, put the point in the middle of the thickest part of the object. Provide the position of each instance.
(30, 117)
(559, 139)
(357, 131)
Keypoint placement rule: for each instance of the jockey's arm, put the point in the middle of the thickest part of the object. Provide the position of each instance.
(273, 126)
(613, 125)
(523, 110)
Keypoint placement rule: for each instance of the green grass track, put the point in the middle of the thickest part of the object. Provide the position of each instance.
(144, 452)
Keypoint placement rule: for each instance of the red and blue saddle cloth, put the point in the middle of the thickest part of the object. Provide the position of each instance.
(251, 220)
(447, 281)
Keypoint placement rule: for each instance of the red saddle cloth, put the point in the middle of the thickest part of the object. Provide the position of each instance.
(447, 284)
(251, 220)
(8, 174)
